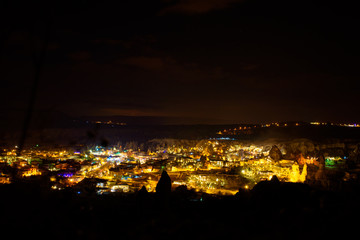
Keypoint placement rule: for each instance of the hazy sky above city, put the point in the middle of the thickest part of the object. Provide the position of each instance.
(197, 61)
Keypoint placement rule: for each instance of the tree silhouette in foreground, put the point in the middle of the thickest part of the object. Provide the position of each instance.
(163, 187)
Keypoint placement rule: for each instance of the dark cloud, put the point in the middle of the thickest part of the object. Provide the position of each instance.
(108, 41)
(225, 61)
(80, 56)
(148, 63)
(197, 6)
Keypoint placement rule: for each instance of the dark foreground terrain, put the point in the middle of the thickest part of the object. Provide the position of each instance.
(271, 210)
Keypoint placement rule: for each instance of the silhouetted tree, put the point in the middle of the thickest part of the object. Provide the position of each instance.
(274, 179)
(163, 187)
(142, 192)
(142, 199)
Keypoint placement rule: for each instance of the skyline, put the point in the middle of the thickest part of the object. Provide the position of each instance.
(206, 62)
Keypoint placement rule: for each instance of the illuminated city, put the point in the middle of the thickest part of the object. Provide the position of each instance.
(213, 166)
(179, 119)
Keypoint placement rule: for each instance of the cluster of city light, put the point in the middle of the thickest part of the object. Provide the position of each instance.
(336, 124)
(249, 127)
(109, 123)
(212, 166)
(244, 129)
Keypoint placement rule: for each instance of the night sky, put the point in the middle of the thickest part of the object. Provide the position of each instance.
(195, 61)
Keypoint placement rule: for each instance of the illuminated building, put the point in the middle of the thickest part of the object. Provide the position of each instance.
(31, 172)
